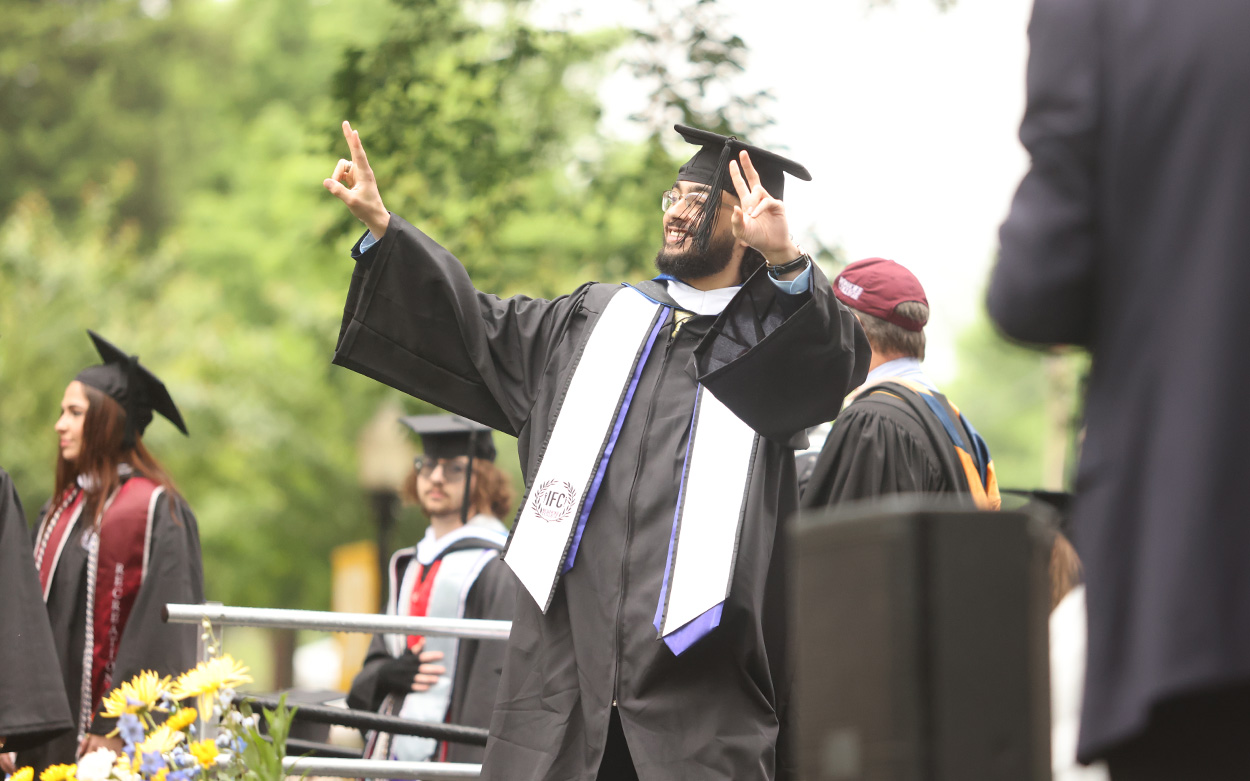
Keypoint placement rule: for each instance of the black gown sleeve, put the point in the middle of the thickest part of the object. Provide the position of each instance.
(783, 363)
(33, 705)
(405, 292)
(365, 693)
(869, 455)
(175, 575)
(1043, 288)
(479, 665)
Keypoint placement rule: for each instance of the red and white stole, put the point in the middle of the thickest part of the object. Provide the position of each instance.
(117, 562)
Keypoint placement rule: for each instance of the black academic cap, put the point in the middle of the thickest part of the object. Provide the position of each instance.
(448, 436)
(710, 166)
(140, 392)
(1054, 506)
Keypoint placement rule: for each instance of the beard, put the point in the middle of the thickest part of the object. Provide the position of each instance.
(686, 261)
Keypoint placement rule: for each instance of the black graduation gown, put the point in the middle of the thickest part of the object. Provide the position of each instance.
(33, 705)
(782, 363)
(175, 574)
(879, 446)
(479, 663)
(1129, 235)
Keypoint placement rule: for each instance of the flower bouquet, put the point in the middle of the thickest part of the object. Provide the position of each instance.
(188, 729)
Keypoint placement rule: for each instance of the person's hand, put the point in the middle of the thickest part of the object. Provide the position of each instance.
(92, 742)
(428, 674)
(414, 672)
(353, 183)
(760, 219)
(8, 763)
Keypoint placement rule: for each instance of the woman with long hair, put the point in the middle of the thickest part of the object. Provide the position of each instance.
(115, 543)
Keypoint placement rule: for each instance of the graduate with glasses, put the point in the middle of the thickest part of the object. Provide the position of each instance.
(656, 426)
(453, 572)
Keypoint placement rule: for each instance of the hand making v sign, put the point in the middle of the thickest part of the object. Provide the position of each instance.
(760, 219)
(353, 183)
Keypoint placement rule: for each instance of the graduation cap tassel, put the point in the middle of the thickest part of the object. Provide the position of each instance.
(132, 401)
(468, 484)
(705, 226)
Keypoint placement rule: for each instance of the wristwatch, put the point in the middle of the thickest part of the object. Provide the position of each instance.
(798, 264)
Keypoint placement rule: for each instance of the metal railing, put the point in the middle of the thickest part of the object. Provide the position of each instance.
(274, 618)
(378, 768)
(367, 720)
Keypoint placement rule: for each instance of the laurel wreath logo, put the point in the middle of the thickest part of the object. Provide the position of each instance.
(543, 508)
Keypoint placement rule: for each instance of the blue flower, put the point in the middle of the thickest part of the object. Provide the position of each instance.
(180, 757)
(152, 763)
(130, 728)
(179, 775)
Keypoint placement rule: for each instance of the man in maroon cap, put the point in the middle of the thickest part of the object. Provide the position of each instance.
(898, 434)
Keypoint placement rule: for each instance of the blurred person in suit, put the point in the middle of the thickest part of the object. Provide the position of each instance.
(1128, 237)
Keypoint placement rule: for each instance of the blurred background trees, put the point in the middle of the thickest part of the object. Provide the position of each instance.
(163, 163)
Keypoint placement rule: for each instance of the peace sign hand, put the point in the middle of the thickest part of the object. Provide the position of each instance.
(760, 219)
(353, 183)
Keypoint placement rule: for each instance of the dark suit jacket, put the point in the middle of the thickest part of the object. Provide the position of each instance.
(1130, 235)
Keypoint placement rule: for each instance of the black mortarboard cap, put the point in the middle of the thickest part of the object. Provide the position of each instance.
(448, 436)
(140, 392)
(710, 166)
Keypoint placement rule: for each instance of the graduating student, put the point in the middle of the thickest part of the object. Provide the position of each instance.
(36, 709)
(899, 434)
(114, 545)
(657, 424)
(453, 572)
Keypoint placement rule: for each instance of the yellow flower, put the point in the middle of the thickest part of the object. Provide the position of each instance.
(205, 751)
(158, 741)
(58, 773)
(182, 719)
(23, 774)
(138, 695)
(160, 774)
(208, 677)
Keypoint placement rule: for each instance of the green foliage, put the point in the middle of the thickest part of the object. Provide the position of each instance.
(261, 757)
(235, 303)
(1022, 401)
(481, 135)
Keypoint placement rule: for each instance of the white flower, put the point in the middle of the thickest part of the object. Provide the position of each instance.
(96, 766)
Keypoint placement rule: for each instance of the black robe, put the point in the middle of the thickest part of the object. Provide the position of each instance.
(33, 705)
(781, 363)
(175, 574)
(1129, 235)
(479, 663)
(879, 446)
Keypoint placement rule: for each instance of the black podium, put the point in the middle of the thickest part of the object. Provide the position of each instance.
(921, 648)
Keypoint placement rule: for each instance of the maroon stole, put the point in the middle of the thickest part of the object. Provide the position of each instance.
(117, 562)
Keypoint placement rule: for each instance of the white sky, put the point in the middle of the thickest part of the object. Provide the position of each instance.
(906, 117)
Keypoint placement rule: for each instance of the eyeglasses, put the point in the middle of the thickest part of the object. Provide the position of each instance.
(695, 199)
(453, 469)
